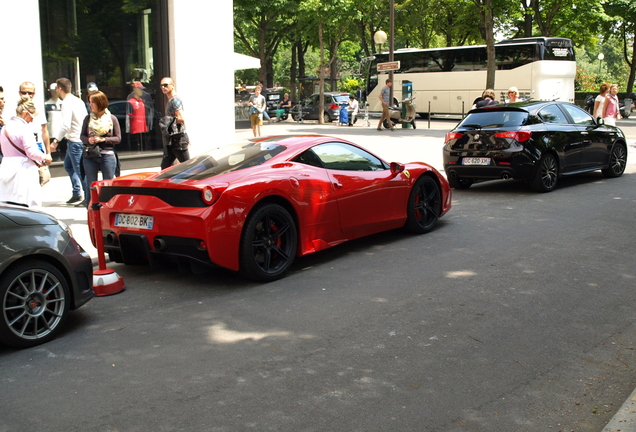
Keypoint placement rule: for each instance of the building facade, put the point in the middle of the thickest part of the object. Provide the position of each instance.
(122, 44)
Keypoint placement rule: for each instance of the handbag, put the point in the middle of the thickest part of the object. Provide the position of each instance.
(45, 174)
(43, 171)
(92, 151)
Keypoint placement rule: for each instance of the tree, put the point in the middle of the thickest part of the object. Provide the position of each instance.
(487, 26)
(624, 12)
(260, 27)
(332, 18)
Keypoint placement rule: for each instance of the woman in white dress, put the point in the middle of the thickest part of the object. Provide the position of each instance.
(19, 178)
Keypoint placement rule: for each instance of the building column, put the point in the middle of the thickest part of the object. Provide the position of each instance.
(21, 61)
(201, 48)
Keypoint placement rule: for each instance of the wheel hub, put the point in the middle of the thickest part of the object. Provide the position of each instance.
(35, 304)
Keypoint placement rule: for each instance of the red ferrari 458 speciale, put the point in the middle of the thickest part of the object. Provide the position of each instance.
(254, 206)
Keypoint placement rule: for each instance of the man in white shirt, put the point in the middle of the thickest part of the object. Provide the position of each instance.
(73, 115)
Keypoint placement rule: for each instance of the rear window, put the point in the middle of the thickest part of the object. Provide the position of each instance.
(223, 160)
(341, 98)
(495, 119)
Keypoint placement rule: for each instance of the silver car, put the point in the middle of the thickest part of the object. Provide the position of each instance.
(44, 274)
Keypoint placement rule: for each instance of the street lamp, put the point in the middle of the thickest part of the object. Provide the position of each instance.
(380, 37)
(601, 56)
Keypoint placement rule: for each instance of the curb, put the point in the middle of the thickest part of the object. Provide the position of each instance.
(625, 418)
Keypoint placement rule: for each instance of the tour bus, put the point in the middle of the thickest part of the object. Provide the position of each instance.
(542, 68)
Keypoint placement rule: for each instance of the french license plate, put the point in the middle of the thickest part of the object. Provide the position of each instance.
(134, 221)
(475, 161)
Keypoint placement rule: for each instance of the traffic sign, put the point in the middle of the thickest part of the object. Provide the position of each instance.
(389, 66)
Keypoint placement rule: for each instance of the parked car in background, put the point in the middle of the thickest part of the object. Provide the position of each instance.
(44, 274)
(538, 141)
(272, 99)
(333, 102)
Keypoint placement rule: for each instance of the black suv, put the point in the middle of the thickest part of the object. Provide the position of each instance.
(534, 141)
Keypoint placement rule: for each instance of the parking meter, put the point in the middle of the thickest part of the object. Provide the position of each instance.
(407, 92)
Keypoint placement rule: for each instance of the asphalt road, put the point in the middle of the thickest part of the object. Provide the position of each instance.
(515, 314)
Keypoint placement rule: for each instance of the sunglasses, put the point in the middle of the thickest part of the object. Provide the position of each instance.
(165, 84)
(24, 93)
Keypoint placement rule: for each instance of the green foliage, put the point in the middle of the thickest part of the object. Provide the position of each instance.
(349, 25)
(350, 85)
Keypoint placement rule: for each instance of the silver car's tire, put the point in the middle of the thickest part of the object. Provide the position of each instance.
(35, 303)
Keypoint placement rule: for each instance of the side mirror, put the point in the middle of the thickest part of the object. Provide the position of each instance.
(396, 168)
(600, 121)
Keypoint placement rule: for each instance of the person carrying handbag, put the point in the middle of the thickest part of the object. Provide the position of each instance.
(19, 178)
(175, 146)
(100, 133)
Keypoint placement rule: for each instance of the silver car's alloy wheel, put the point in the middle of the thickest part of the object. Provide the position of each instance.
(34, 304)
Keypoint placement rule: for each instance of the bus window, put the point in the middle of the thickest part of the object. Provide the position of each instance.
(513, 56)
(412, 62)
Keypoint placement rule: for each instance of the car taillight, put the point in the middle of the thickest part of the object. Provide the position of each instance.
(211, 194)
(333, 106)
(519, 136)
(453, 135)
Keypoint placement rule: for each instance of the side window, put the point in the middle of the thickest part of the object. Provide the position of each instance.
(308, 158)
(579, 116)
(345, 157)
(552, 114)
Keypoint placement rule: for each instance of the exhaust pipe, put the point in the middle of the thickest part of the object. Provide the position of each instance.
(111, 239)
(159, 244)
(506, 176)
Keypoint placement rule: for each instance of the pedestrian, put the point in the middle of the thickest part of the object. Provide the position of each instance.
(39, 124)
(1, 119)
(354, 107)
(264, 93)
(73, 115)
(1, 106)
(175, 146)
(612, 112)
(513, 95)
(599, 102)
(385, 97)
(100, 134)
(283, 107)
(257, 107)
(487, 99)
(19, 178)
(53, 109)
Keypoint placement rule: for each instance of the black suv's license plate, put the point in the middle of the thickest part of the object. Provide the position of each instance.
(475, 161)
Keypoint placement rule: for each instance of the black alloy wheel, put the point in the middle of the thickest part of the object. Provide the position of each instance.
(618, 162)
(547, 175)
(459, 183)
(424, 206)
(268, 243)
(35, 303)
